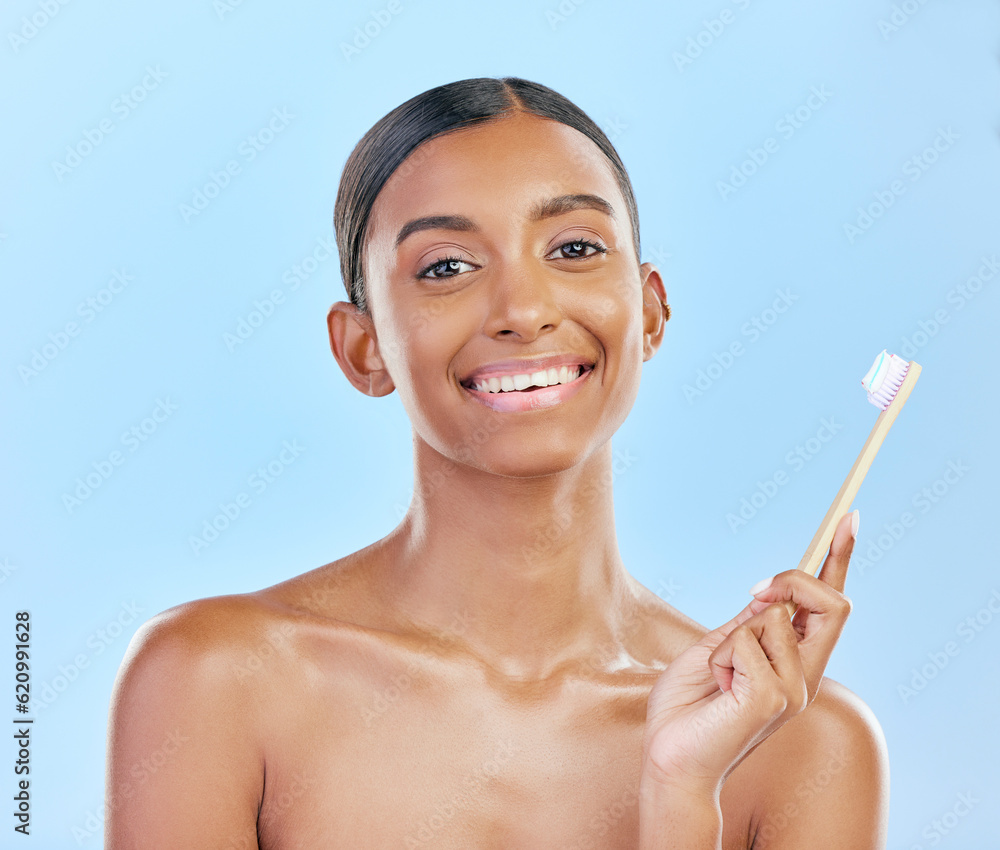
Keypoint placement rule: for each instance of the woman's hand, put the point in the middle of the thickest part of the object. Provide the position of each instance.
(721, 697)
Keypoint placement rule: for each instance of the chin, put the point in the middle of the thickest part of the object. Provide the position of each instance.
(532, 461)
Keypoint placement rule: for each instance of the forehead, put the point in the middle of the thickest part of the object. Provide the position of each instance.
(497, 169)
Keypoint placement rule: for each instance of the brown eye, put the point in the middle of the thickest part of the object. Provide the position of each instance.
(579, 249)
(446, 267)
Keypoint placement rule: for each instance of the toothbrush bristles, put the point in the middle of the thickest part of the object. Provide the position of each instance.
(885, 378)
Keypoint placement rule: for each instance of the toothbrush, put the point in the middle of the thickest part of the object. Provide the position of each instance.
(888, 382)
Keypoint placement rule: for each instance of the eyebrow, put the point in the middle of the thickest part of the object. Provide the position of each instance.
(542, 210)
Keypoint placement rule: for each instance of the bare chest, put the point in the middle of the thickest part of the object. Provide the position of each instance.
(403, 758)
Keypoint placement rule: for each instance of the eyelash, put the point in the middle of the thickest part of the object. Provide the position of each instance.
(585, 243)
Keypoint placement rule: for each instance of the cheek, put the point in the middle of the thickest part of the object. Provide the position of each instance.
(406, 335)
(424, 344)
(617, 319)
(618, 323)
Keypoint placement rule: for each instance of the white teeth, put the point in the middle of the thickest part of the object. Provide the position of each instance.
(512, 383)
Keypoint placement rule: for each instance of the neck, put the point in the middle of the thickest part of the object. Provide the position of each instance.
(524, 573)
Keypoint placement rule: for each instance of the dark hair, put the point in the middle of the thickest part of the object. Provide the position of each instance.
(383, 149)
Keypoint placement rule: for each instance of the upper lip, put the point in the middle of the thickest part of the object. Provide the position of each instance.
(525, 366)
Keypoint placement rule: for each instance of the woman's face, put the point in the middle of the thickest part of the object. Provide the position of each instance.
(499, 251)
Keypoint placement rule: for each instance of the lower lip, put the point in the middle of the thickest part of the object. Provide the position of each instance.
(535, 400)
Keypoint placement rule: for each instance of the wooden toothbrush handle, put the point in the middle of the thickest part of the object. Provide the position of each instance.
(820, 544)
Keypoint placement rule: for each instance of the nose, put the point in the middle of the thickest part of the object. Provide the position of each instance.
(523, 303)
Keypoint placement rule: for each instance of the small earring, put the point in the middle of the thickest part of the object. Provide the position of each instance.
(666, 311)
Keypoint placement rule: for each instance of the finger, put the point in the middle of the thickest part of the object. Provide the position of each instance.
(822, 613)
(740, 662)
(834, 571)
(816, 597)
(780, 644)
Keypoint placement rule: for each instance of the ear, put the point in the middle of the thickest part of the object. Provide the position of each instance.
(355, 345)
(655, 310)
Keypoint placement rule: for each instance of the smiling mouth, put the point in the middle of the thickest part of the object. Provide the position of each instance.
(527, 382)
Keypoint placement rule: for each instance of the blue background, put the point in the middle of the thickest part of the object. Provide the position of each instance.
(90, 573)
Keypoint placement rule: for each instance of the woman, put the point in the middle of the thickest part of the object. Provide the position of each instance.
(489, 675)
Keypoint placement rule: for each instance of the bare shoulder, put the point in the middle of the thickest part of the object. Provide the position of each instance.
(203, 642)
(184, 731)
(215, 643)
(821, 781)
(203, 627)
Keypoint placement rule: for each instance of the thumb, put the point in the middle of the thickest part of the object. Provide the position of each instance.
(834, 572)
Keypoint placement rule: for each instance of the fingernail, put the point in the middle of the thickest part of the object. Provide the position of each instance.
(855, 522)
(761, 585)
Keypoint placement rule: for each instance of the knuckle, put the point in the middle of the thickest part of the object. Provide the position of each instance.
(790, 575)
(779, 703)
(774, 615)
(799, 700)
(845, 606)
(741, 634)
